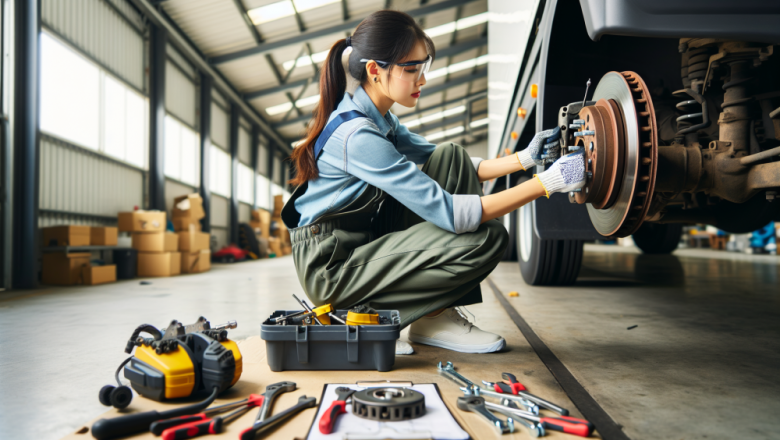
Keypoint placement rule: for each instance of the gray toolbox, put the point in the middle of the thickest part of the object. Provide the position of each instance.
(331, 347)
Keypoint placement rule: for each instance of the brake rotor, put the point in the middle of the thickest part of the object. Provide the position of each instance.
(621, 154)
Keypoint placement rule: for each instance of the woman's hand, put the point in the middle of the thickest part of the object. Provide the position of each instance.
(541, 150)
(566, 174)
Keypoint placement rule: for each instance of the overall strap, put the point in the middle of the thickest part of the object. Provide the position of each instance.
(331, 127)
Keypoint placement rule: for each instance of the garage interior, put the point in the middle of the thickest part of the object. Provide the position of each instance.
(131, 107)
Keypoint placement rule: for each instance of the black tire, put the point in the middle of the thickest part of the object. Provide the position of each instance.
(121, 397)
(105, 394)
(545, 262)
(656, 238)
(510, 254)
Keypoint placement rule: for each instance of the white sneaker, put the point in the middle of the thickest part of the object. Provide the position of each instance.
(451, 330)
(403, 347)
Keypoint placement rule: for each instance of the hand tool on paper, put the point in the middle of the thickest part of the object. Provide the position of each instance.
(534, 429)
(476, 404)
(338, 407)
(260, 427)
(567, 424)
(271, 393)
(449, 370)
(159, 426)
(207, 426)
(516, 388)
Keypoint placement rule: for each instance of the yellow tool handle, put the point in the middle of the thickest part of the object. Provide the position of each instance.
(362, 318)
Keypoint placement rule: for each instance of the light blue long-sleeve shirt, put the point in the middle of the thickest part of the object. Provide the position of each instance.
(359, 153)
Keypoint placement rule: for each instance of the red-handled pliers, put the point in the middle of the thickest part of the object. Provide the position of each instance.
(200, 424)
(338, 407)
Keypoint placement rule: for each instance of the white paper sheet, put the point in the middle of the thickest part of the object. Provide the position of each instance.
(437, 423)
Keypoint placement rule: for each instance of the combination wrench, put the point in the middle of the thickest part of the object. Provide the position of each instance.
(476, 404)
(449, 370)
(260, 427)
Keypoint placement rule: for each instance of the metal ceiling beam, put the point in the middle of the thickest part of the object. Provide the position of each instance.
(312, 34)
(189, 50)
(446, 52)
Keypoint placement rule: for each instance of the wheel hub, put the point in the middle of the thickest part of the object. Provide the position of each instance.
(621, 152)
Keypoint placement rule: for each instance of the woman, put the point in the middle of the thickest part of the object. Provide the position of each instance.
(369, 227)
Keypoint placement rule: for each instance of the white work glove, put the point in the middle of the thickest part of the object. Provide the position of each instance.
(542, 149)
(566, 174)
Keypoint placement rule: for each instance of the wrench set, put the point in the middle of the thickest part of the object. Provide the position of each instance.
(512, 395)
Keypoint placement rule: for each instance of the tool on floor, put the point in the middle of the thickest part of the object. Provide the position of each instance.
(159, 426)
(476, 404)
(269, 396)
(388, 404)
(567, 424)
(337, 407)
(208, 426)
(261, 427)
(448, 369)
(512, 386)
(534, 429)
(178, 362)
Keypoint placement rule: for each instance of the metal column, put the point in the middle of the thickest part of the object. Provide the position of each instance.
(157, 45)
(205, 149)
(26, 147)
(235, 113)
(255, 145)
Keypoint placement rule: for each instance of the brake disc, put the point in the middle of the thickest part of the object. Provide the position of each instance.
(621, 154)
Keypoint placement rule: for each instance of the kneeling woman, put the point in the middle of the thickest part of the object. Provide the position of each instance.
(369, 227)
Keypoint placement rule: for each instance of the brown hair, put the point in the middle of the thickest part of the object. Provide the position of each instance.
(384, 35)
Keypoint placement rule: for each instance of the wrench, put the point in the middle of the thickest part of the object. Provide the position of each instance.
(520, 390)
(535, 429)
(271, 393)
(260, 427)
(476, 404)
(569, 425)
(449, 370)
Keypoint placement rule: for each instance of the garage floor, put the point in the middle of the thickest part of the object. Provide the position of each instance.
(703, 361)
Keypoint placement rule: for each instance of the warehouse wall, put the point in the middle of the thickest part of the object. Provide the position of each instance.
(220, 219)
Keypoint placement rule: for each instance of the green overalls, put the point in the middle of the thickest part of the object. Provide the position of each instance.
(377, 252)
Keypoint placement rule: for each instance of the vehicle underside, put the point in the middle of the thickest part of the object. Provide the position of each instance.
(674, 131)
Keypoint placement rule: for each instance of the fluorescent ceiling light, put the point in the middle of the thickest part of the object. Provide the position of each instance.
(453, 26)
(282, 9)
(445, 133)
(479, 123)
(282, 108)
(319, 57)
(457, 67)
(435, 116)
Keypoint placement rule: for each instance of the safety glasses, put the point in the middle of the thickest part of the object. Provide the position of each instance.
(411, 71)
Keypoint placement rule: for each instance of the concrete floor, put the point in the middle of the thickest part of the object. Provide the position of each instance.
(702, 363)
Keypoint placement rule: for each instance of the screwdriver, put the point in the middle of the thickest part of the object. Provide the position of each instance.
(569, 425)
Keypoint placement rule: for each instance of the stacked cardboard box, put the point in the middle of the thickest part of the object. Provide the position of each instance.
(75, 268)
(158, 254)
(194, 245)
(281, 245)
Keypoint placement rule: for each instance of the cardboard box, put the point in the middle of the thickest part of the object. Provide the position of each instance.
(155, 264)
(68, 235)
(103, 236)
(190, 206)
(263, 222)
(175, 263)
(149, 241)
(184, 223)
(196, 262)
(93, 275)
(281, 230)
(193, 241)
(64, 269)
(278, 205)
(141, 221)
(171, 242)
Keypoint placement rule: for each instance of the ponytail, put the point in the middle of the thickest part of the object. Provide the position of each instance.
(333, 84)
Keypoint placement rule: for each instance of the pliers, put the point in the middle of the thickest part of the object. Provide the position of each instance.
(200, 424)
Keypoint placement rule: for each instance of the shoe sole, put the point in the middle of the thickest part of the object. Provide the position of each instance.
(483, 348)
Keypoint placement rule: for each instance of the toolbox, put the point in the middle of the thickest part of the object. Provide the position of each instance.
(331, 347)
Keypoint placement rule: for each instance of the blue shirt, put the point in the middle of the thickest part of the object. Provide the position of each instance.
(359, 153)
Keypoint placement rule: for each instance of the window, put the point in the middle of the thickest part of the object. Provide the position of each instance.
(245, 183)
(182, 152)
(79, 101)
(263, 188)
(220, 171)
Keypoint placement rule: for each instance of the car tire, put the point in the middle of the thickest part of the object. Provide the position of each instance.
(510, 221)
(657, 238)
(544, 262)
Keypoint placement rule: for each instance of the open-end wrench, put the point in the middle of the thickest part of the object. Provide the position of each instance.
(476, 404)
(519, 389)
(260, 427)
(449, 370)
(569, 425)
(535, 429)
(271, 393)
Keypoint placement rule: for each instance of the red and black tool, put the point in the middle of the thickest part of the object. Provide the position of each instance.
(338, 407)
(567, 424)
(157, 428)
